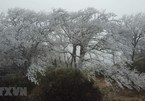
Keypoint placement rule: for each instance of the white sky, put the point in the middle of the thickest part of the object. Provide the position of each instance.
(119, 7)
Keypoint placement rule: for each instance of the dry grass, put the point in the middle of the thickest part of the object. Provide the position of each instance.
(115, 94)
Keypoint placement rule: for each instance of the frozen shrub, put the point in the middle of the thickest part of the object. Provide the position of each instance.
(65, 84)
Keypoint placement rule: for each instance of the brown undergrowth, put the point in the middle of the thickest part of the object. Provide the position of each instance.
(113, 93)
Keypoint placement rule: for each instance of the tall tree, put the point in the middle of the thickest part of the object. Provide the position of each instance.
(134, 32)
(23, 35)
(80, 30)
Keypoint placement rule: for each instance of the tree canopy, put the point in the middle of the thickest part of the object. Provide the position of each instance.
(83, 39)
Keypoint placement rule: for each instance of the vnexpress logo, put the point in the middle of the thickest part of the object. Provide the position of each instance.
(13, 91)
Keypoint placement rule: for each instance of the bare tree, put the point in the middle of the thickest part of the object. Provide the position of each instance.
(79, 30)
(134, 32)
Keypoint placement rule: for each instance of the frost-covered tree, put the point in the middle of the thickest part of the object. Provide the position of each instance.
(133, 32)
(86, 38)
(23, 33)
(81, 31)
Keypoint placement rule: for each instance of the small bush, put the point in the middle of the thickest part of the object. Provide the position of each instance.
(65, 84)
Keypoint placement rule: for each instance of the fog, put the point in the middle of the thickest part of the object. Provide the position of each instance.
(119, 7)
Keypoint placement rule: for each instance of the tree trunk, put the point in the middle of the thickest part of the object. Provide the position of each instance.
(82, 54)
(73, 61)
(133, 55)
